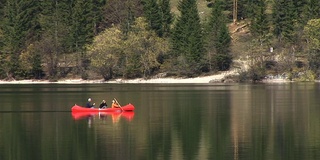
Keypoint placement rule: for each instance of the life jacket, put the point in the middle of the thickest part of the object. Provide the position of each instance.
(115, 105)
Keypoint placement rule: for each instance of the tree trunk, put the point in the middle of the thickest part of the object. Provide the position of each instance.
(235, 11)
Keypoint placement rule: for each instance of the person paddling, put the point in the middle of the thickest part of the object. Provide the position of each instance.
(114, 104)
(89, 104)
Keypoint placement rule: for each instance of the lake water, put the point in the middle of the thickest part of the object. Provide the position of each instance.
(171, 121)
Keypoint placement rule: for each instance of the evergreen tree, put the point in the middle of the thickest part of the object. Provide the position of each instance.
(20, 27)
(167, 17)
(82, 28)
(55, 20)
(223, 57)
(219, 39)
(121, 12)
(20, 24)
(132, 9)
(2, 5)
(284, 18)
(187, 39)
(152, 13)
(299, 6)
(86, 18)
(97, 10)
(312, 10)
(259, 26)
(243, 8)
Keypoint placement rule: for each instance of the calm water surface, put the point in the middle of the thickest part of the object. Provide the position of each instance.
(171, 121)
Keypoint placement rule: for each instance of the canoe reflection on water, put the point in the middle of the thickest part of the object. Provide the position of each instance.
(116, 116)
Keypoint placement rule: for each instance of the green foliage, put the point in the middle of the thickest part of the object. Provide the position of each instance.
(134, 56)
(19, 24)
(142, 49)
(314, 61)
(4, 66)
(105, 52)
(131, 10)
(58, 28)
(259, 23)
(167, 17)
(1, 40)
(312, 10)
(50, 49)
(223, 57)
(307, 76)
(254, 74)
(284, 20)
(31, 63)
(311, 31)
(82, 26)
(19, 28)
(153, 14)
(158, 15)
(187, 39)
(218, 39)
(97, 9)
(222, 43)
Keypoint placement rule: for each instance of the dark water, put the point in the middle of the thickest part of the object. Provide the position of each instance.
(171, 121)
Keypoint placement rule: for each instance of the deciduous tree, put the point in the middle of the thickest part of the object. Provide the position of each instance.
(312, 34)
(105, 52)
(142, 49)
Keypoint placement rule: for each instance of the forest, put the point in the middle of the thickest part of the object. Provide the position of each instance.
(92, 39)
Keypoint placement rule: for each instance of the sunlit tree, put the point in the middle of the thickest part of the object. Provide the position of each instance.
(187, 39)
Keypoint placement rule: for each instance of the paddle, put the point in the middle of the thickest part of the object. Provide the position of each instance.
(118, 104)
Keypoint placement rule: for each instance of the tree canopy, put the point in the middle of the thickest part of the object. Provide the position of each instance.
(141, 38)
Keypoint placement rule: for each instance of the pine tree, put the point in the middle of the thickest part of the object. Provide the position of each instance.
(97, 13)
(259, 23)
(131, 10)
(167, 17)
(55, 21)
(312, 10)
(2, 4)
(19, 24)
(153, 15)
(187, 39)
(20, 27)
(219, 39)
(284, 20)
(82, 28)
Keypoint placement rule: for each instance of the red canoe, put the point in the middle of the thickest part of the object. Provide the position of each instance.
(77, 108)
(80, 115)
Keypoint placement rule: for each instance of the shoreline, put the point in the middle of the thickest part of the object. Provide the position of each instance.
(216, 78)
(202, 79)
(116, 81)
